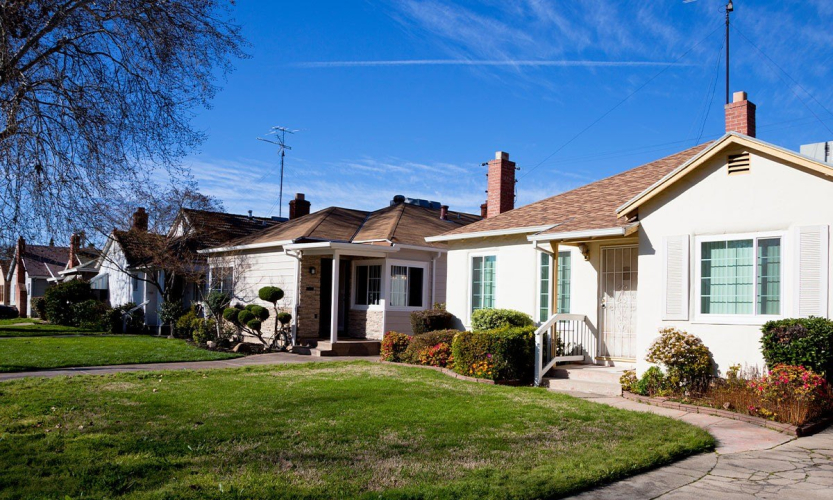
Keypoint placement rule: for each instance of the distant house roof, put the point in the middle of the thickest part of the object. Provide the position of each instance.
(208, 229)
(139, 247)
(403, 224)
(5, 264)
(587, 208)
(44, 261)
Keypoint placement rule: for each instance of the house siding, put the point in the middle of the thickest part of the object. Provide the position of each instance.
(772, 197)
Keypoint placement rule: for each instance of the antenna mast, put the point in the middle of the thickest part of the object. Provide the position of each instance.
(729, 8)
(280, 141)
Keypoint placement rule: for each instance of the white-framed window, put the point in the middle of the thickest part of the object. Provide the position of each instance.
(221, 280)
(483, 278)
(407, 285)
(739, 277)
(545, 286)
(368, 284)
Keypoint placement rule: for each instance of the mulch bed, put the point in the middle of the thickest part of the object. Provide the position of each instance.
(793, 430)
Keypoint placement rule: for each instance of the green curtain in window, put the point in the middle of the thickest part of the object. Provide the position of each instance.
(544, 290)
(483, 282)
(564, 268)
(769, 276)
(727, 277)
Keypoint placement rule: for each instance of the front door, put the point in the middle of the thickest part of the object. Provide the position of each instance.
(618, 302)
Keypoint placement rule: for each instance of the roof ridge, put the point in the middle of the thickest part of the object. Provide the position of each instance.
(395, 223)
(361, 226)
(329, 211)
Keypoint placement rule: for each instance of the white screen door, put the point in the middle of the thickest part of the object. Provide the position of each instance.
(618, 302)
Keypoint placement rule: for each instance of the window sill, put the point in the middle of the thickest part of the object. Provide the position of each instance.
(735, 320)
(405, 309)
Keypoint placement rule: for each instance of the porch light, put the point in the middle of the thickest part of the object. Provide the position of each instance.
(312, 270)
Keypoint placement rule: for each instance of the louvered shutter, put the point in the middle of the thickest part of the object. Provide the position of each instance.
(812, 273)
(675, 272)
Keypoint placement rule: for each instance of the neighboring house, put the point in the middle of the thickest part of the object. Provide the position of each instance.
(129, 267)
(36, 267)
(345, 273)
(5, 286)
(714, 240)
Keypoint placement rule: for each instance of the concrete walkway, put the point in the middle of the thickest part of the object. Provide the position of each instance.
(750, 462)
(275, 358)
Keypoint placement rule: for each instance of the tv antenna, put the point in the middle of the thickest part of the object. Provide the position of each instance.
(279, 134)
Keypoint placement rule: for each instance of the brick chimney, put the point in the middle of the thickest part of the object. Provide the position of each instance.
(140, 220)
(20, 286)
(74, 242)
(444, 212)
(298, 207)
(740, 115)
(501, 194)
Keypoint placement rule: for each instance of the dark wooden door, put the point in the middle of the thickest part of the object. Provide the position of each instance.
(325, 294)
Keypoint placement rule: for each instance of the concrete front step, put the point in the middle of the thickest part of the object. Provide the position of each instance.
(588, 373)
(571, 385)
(347, 348)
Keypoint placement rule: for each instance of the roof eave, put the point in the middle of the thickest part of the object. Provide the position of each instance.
(488, 234)
(587, 233)
(250, 246)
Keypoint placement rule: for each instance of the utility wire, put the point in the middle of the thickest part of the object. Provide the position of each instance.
(734, 26)
(611, 110)
(713, 89)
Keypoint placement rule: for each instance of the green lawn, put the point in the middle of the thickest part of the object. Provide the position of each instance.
(41, 352)
(317, 430)
(27, 327)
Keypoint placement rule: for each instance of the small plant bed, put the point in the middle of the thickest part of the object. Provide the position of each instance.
(503, 353)
(318, 430)
(42, 353)
(789, 398)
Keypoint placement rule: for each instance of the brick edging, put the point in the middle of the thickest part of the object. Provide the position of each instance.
(454, 374)
(798, 431)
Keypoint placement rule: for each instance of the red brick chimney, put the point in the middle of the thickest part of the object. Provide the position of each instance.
(501, 193)
(73, 249)
(740, 115)
(298, 207)
(140, 220)
(484, 210)
(20, 286)
(444, 212)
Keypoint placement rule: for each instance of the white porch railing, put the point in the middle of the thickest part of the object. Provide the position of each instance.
(562, 338)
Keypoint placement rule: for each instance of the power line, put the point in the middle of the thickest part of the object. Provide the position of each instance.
(611, 110)
(711, 98)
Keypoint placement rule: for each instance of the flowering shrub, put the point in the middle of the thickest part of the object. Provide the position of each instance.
(628, 381)
(687, 360)
(791, 394)
(420, 343)
(482, 369)
(394, 345)
(508, 352)
(436, 355)
(804, 342)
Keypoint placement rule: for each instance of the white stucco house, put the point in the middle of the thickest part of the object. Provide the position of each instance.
(714, 240)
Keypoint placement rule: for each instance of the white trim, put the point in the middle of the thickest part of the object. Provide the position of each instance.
(389, 263)
(754, 319)
(823, 285)
(250, 246)
(418, 247)
(588, 233)
(486, 234)
(537, 313)
(354, 284)
(480, 253)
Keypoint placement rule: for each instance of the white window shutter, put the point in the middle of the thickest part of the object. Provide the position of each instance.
(812, 273)
(675, 271)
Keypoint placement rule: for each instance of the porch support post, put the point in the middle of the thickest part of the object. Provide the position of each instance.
(554, 278)
(334, 301)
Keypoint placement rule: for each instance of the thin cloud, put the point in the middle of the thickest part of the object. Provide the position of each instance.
(562, 63)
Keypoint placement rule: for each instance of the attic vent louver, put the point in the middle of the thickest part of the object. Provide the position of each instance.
(738, 164)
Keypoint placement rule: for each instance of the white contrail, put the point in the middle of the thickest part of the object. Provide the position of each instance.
(472, 62)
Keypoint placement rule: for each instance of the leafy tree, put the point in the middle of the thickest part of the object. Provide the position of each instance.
(96, 98)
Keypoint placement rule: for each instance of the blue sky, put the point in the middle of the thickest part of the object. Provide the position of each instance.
(411, 96)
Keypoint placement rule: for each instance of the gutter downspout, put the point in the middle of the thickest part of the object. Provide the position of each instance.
(297, 256)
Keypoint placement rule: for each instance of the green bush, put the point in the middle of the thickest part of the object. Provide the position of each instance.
(503, 354)
(40, 308)
(430, 320)
(806, 342)
(394, 345)
(217, 302)
(61, 297)
(270, 294)
(230, 314)
(688, 362)
(114, 323)
(422, 342)
(260, 312)
(203, 330)
(184, 326)
(652, 383)
(493, 319)
(170, 312)
(284, 318)
(245, 316)
(255, 324)
(91, 315)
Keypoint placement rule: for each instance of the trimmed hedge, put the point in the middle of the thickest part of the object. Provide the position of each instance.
(420, 343)
(806, 342)
(394, 345)
(61, 298)
(493, 319)
(503, 354)
(430, 320)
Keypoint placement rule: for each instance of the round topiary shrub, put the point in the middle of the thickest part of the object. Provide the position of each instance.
(260, 312)
(270, 294)
(254, 324)
(284, 318)
(244, 316)
(230, 314)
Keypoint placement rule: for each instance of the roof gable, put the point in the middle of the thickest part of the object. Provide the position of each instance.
(732, 139)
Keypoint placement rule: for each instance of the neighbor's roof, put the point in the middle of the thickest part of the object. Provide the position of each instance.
(214, 228)
(403, 224)
(139, 247)
(45, 261)
(5, 264)
(586, 208)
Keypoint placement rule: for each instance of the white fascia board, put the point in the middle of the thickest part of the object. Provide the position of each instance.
(251, 246)
(590, 233)
(487, 234)
(347, 248)
(418, 247)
